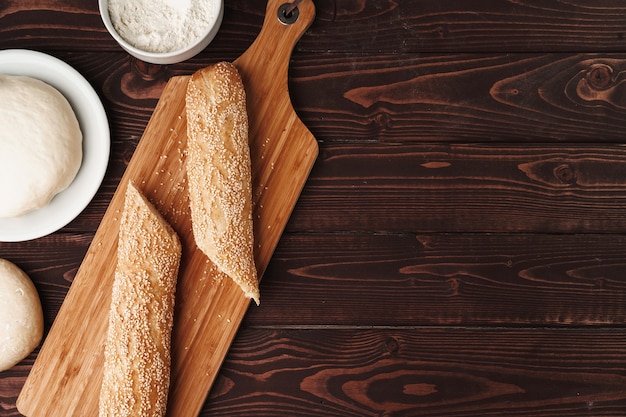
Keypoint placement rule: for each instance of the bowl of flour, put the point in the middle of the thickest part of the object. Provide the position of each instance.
(162, 31)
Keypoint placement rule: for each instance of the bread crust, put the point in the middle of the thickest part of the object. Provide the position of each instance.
(219, 173)
(137, 350)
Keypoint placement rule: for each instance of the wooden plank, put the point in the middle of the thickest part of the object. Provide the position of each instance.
(371, 279)
(361, 279)
(335, 372)
(462, 97)
(432, 372)
(545, 188)
(209, 306)
(413, 26)
(417, 26)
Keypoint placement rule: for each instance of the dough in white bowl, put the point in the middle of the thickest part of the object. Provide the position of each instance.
(40, 144)
(21, 316)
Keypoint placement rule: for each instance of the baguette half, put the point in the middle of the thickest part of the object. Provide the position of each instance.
(137, 351)
(219, 173)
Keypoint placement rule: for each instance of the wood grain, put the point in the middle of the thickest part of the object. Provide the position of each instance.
(346, 26)
(567, 188)
(463, 97)
(404, 279)
(413, 371)
(417, 26)
(434, 372)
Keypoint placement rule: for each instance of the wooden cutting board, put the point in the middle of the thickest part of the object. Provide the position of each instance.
(66, 376)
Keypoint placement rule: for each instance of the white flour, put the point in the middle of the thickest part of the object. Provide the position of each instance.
(162, 25)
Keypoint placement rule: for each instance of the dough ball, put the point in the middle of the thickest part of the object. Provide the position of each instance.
(21, 316)
(40, 144)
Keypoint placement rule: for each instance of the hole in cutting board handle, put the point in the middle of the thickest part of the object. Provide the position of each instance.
(288, 13)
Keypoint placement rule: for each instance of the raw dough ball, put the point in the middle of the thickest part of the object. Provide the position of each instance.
(40, 144)
(21, 316)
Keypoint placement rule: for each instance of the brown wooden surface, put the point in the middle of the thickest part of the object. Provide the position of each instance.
(460, 246)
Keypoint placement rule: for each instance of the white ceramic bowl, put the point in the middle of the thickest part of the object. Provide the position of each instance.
(164, 57)
(69, 203)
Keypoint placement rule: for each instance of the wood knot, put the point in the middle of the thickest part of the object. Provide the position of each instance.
(147, 71)
(565, 174)
(455, 286)
(600, 76)
(392, 345)
(441, 32)
(599, 284)
(382, 121)
(142, 80)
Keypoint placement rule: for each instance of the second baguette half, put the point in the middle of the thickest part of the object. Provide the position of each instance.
(219, 173)
(137, 355)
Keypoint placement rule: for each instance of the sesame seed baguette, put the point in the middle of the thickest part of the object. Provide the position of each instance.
(137, 350)
(219, 173)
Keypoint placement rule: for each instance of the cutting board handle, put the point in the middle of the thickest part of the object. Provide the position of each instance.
(278, 138)
(273, 46)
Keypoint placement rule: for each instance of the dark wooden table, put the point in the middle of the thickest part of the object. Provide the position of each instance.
(460, 246)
